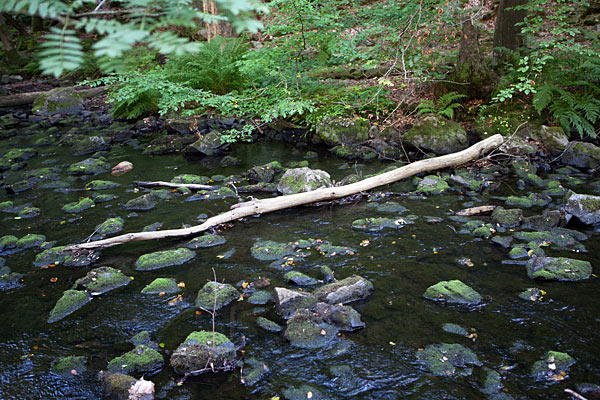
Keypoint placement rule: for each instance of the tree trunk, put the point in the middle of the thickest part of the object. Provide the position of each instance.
(265, 206)
(508, 34)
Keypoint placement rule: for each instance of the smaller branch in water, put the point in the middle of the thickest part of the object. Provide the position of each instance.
(575, 394)
(475, 211)
(192, 186)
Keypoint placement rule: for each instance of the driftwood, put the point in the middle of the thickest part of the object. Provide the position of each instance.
(264, 206)
(22, 99)
(192, 186)
(475, 210)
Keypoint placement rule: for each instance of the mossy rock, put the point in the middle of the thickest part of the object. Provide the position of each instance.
(166, 258)
(558, 269)
(583, 206)
(448, 359)
(453, 292)
(507, 218)
(377, 224)
(116, 386)
(552, 367)
(70, 365)
(58, 101)
(353, 152)
(30, 240)
(215, 295)
(110, 226)
(264, 173)
(268, 325)
(533, 200)
(485, 231)
(339, 130)
(201, 348)
(7, 207)
(58, 255)
(455, 329)
(254, 372)
(141, 203)
(103, 279)
(437, 134)
(260, 297)
(504, 241)
(29, 212)
(229, 161)
(300, 279)
(191, 179)
(467, 180)
(267, 250)
(300, 180)
(8, 243)
(432, 185)
(557, 240)
(208, 240)
(347, 290)
(304, 391)
(308, 331)
(101, 185)
(582, 155)
(344, 318)
(329, 250)
(288, 301)
(142, 359)
(143, 338)
(18, 155)
(42, 175)
(162, 285)
(532, 294)
(79, 206)
(90, 166)
(9, 280)
(71, 301)
(222, 193)
(518, 252)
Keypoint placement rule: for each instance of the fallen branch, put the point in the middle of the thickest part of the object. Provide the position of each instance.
(265, 206)
(191, 186)
(575, 394)
(23, 99)
(475, 211)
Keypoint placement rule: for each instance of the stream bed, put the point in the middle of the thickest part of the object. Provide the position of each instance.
(507, 333)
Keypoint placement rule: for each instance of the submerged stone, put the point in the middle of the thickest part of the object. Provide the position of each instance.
(558, 269)
(299, 278)
(300, 180)
(347, 290)
(142, 359)
(455, 329)
(254, 372)
(216, 295)
(141, 203)
(42, 175)
(166, 258)
(18, 155)
(101, 185)
(90, 166)
(207, 240)
(71, 301)
(30, 240)
(70, 365)
(388, 207)
(307, 330)
(302, 392)
(103, 279)
(260, 297)
(29, 212)
(453, 292)
(267, 250)
(9, 280)
(552, 367)
(288, 301)
(532, 294)
(377, 224)
(162, 285)
(78, 206)
(142, 338)
(200, 349)
(268, 325)
(448, 359)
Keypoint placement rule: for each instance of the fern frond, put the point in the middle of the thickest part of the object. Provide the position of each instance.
(62, 52)
(542, 97)
(448, 98)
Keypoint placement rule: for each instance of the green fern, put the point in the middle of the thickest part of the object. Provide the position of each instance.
(62, 52)
(443, 107)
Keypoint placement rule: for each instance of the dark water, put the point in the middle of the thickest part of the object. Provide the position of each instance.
(511, 333)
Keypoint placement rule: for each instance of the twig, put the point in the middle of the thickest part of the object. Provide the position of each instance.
(194, 186)
(575, 394)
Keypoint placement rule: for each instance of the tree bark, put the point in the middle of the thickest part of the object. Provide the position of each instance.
(22, 99)
(508, 34)
(265, 206)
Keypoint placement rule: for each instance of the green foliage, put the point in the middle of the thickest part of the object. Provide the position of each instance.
(443, 106)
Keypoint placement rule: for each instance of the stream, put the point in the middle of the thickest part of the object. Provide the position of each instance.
(508, 334)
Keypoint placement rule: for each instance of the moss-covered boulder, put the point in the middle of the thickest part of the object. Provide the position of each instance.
(166, 258)
(507, 218)
(71, 301)
(202, 348)
(555, 238)
(300, 279)
(268, 250)
(558, 269)
(191, 179)
(254, 372)
(268, 325)
(216, 295)
(142, 359)
(343, 317)
(208, 240)
(582, 155)
(553, 366)
(162, 285)
(288, 301)
(583, 206)
(90, 166)
(437, 134)
(90, 145)
(344, 291)
(79, 206)
(141, 203)
(299, 180)
(7, 243)
(307, 330)
(70, 365)
(353, 152)
(453, 292)
(532, 200)
(9, 280)
(448, 359)
(58, 101)
(260, 297)
(42, 175)
(116, 386)
(58, 255)
(339, 130)
(377, 224)
(103, 279)
(264, 173)
(432, 185)
(101, 185)
(209, 144)
(110, 226)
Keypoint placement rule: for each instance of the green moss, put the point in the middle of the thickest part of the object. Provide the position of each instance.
(30, 240)
(377, 224)
(215, 295)
(142, 359)
(531, 294)
(553, 366)
(556, 240)
(110, 226)
(101, 185)
(141, 203)
(268, 250)
(352, 152)
(432, 185)
(42, 175)
(102, 198)
(103, 279)
(558, 269)
(455, 329)
(90, 166)
(71, 301)
(448, 359)
(161, 259)
(260, 297)
(507, 218)
(336, 130)
(268, 325)
(254, 372)
(306, 330)
(300, 180)
(162, 285)
(518, 252)
(201, 348)
(485, 231)
(79, 206)
(222, 193)
(453, 292)
(17, 155)
(299, 278)
(437, 134)
(534, 199)
(8, 242)
(207, 240)
(142, 338)
(66, 365)
(7, 207)
(29, 212)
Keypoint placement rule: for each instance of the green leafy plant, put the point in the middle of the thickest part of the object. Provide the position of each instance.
(443, 106)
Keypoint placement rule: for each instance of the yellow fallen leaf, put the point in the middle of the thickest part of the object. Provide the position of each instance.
(275, 398)
(244, 285)
(393, 343)
(309, 395)
(241, 298)
(181, 284)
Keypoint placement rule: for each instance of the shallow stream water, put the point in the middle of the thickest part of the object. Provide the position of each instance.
(511, 334)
